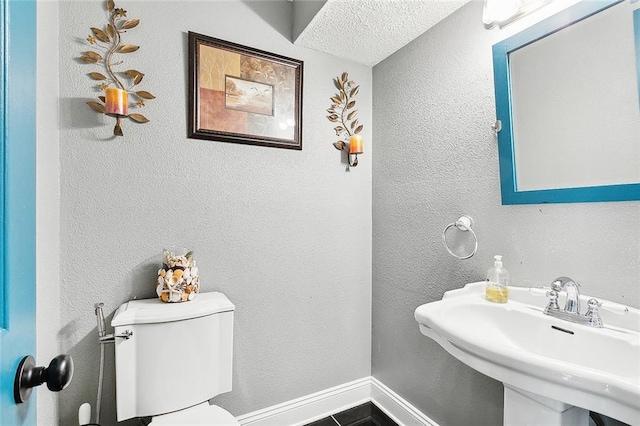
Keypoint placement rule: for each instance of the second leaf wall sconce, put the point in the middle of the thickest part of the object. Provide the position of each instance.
(343, 113)
(115, 101)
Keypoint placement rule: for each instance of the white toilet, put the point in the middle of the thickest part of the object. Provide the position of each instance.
(177, 357)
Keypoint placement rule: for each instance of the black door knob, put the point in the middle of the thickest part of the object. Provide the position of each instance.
(57, 376)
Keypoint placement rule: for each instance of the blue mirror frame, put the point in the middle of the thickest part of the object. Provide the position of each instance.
(501, 50)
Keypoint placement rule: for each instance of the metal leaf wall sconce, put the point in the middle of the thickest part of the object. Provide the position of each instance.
(115, 101)
(343, 113)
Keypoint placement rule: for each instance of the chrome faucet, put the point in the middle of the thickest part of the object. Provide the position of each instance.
(571, 311)
(572, 304)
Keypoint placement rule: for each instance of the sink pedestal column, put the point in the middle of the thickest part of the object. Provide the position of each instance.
(525, 408)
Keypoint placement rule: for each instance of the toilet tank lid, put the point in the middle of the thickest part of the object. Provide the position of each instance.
(151, 311)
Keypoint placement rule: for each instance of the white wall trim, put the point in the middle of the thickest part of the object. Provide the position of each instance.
(396, 407)
(312, 407)
(307, 409)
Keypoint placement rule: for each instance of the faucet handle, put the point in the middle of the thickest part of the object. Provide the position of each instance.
(553, 301)
(592, 315)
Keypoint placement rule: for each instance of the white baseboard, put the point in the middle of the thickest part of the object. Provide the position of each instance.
(396, 407)
(307, 409)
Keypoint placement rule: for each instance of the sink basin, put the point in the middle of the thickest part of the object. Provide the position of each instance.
(515, 343)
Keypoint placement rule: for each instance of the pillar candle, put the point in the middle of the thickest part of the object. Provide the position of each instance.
(116, 101)
(355, 144)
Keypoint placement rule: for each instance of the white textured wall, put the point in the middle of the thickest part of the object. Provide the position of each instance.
(47, 204)
(435, 160)
(285, 234)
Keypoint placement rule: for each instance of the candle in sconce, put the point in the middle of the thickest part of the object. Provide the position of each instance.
(117, 102)
(355, 144)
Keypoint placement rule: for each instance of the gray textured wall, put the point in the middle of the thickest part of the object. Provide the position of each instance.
(435, 160)
(303, 12)
(286, 235)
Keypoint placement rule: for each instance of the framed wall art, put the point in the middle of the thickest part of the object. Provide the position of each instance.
(243, 95)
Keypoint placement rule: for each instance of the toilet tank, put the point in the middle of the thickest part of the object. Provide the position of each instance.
(178, 355)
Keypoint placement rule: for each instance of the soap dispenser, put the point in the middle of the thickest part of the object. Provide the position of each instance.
(497, 289)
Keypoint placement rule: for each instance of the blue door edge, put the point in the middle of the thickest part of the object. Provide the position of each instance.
(17, 246)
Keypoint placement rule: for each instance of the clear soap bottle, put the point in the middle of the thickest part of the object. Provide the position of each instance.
(497, 289)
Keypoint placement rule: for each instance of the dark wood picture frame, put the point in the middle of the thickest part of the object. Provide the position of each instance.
(243, 95)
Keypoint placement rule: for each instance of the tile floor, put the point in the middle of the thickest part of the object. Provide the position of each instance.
(363, 415)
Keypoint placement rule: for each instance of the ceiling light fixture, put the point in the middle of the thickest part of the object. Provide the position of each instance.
(503, 12)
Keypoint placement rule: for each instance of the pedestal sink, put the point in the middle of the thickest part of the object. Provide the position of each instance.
(553, 371)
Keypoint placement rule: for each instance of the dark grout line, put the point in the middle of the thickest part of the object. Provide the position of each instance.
(361, 415)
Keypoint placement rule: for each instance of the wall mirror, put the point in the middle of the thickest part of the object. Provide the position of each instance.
(568, 99)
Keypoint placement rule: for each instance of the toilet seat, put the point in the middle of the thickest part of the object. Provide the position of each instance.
(201, 414)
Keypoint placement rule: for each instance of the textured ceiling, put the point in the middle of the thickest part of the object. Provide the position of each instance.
(367, 31)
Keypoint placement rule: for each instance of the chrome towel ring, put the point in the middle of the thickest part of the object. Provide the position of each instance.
(464, 224)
